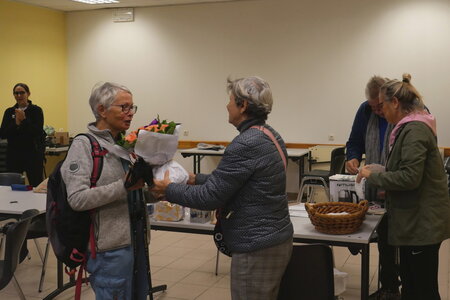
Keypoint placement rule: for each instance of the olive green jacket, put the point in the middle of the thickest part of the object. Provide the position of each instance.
(417, 199)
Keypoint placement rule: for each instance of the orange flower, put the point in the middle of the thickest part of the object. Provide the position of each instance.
(153, 128)
(131, 138)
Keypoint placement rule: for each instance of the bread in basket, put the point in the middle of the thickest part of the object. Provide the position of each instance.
(337, 217)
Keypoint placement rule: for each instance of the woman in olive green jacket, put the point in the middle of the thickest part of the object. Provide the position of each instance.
(417, 199)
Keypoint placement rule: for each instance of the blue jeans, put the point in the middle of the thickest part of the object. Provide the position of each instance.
(111, 274)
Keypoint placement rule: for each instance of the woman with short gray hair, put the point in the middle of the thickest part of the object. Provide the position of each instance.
(104, 94)
(117, 262)
(256, 92)
(249, 190)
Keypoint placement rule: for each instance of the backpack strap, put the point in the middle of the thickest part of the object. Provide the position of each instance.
(274, 140)
(97, 158)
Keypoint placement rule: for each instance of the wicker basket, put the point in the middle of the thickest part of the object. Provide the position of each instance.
(320, 217)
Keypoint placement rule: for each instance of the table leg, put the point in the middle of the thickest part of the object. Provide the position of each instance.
(301, 169)
(197, 159)
(365, 271)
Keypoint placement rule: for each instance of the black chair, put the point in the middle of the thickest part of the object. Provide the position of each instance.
(37, 229)
(15, 233)
(321, 178)
(309, 274)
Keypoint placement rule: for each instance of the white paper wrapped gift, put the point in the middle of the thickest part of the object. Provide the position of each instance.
(166, 211)
(156, 148)
(177, 173)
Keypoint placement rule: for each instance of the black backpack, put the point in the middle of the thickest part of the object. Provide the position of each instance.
(68, 230)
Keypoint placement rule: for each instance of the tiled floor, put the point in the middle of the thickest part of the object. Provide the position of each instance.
(186, 263)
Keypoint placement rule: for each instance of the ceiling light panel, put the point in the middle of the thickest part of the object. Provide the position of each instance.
(97, 1)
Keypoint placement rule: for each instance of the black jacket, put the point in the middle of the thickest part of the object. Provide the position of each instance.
(249, 185)
(29, 136)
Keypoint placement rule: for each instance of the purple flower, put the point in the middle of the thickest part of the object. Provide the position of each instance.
(154, 122)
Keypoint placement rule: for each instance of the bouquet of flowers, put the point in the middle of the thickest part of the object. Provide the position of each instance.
(157, 143)
(164, 127)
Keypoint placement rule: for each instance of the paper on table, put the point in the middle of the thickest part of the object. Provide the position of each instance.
(298, 210)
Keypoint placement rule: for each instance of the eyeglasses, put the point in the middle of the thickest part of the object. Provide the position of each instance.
(19, 93)
(126, 108)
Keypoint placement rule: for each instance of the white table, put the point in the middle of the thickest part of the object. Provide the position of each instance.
(297, 155)
(304, 232)
(16, 202)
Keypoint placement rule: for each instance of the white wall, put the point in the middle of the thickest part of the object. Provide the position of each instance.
(317, 56)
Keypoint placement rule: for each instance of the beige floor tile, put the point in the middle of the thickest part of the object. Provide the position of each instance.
(156, 247)
(201, 253)
(171, 275)
(186, 291)
(216, 294)
(176, 252)
(164, 296)
(189, 243)
(161, 260)
(224, 282)
(187, 264)
(210, 265)
(201, 278)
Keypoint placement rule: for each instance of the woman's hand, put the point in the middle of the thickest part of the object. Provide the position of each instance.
(363, 173)
(19, 115)
(352, 166)
(139, 185)
(160, 186)
(191, 179)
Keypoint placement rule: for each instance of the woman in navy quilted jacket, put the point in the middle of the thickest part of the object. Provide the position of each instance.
(249, 188)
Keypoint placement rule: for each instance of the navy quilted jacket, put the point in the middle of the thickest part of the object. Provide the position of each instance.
(249, 185)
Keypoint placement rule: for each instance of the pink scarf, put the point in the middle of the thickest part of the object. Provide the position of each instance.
(422, 116)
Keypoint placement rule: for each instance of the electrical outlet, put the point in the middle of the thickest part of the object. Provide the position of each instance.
(186, 133)
(331, 137)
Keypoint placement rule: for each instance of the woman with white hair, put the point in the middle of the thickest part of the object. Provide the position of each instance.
(119, 267)
(249, 189)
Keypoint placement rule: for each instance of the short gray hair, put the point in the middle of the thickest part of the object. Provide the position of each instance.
(256, 91)
(373, 86)
(105, 94)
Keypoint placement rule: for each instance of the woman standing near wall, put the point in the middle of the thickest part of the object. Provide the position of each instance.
(22, 126)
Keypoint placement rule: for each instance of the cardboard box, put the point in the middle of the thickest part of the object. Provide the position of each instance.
(342, 188)
(61, 138)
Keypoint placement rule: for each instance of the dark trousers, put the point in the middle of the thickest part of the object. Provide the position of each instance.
(32, 164)
(389, 273)
(419, 272)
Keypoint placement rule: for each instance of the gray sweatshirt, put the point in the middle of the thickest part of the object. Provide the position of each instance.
(109, 198)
